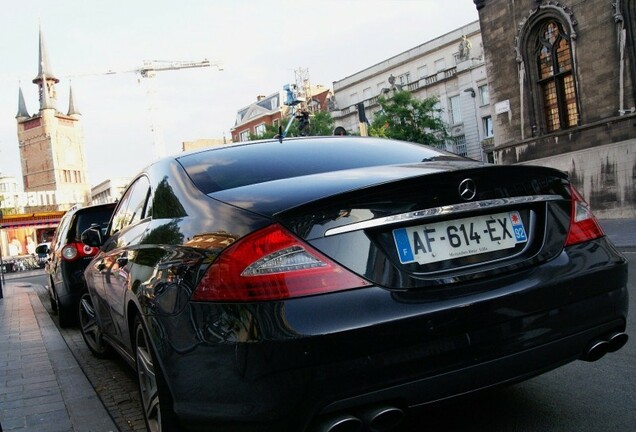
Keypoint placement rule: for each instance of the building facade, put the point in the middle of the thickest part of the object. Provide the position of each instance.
(563, 87)
(54, 173)
(109, 190)
(450, 68)
(203, 143)
(8, 190)
(272, 110)
(51, 146)
(252, 119)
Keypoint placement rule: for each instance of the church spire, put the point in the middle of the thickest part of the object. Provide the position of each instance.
(72, 110)
(45, 78)
(22, 109)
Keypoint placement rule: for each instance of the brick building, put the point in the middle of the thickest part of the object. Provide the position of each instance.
(51, 146)
(54, 172)
(562, 79)
(271, 110)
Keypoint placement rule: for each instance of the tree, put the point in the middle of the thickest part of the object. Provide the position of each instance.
(320, 123)
(404, 117)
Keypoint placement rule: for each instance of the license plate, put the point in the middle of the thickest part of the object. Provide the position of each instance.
(459, 238)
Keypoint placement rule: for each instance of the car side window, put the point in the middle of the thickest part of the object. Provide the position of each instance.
(138, 200)
(61, 229)
(132, 205)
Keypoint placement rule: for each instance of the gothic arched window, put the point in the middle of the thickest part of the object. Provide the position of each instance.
(555, 76)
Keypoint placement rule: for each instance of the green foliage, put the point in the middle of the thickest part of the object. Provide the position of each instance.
(270, 132)
(320, 123)
(407, 118)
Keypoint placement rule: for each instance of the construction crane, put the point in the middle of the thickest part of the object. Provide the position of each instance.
(149, 69)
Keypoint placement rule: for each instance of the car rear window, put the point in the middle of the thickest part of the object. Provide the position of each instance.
(84, 220)
(231, 167)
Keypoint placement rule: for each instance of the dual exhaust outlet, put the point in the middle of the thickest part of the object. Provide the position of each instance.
(376, 419)
(387, 418)
(600, 347)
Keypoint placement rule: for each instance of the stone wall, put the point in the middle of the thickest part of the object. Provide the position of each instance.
(599, 152)
(604, 175)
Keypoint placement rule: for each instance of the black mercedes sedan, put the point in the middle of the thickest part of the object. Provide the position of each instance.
(334, 283)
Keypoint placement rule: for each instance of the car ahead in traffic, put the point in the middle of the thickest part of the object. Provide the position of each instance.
(332, 283)
(68, 257)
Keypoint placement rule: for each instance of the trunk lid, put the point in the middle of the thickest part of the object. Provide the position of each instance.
(416, 230)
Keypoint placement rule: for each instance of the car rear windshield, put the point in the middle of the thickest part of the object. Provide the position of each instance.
(231, 167)
(84, 220)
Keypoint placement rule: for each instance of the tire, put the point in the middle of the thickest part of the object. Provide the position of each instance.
(52, 299)
(65, 314)
(155, 398)
(90, 329)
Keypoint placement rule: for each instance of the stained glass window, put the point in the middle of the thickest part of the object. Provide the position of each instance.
(555, 77)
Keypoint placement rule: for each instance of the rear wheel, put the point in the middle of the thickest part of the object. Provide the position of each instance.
(52, 299)
(65, 313)
(89, 326)
(155, 399)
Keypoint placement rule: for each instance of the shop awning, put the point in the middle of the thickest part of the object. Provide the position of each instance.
(30, 220)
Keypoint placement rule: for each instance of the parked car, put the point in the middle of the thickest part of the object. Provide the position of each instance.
(68, 257)
(333, 283)
(42, 253)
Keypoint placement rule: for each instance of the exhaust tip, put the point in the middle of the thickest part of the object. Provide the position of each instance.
(597, 350)
(616, 341)
(382, 418)
(344, 423)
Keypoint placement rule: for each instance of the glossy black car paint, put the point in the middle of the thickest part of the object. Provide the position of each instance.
(66, 278)
(413, 337)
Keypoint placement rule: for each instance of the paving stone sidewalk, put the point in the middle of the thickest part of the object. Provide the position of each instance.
(42, 388)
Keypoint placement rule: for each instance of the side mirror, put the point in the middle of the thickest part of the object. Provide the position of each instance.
(92, 236)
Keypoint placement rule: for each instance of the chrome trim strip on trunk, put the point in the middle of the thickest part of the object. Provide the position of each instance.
(440, 211)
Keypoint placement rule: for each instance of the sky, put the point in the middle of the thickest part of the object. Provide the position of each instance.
(259, 45)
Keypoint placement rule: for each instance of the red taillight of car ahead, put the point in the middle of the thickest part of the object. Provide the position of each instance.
(583, 224)
(272, 264)
(73, 251)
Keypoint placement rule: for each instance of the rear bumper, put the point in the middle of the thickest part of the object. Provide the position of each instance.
(69, 281)
(505, 370)
(280, 366)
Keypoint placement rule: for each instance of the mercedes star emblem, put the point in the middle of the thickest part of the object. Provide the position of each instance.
(467, 189)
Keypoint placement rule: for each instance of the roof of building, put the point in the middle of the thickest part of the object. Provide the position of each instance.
(22, 109)
(44, 66)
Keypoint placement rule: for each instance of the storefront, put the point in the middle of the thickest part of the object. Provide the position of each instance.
(20, 234)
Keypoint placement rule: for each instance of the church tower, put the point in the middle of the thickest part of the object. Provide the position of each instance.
(51, 146)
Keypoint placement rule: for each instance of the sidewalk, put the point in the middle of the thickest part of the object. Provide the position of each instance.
(42, 388)
(622, 232)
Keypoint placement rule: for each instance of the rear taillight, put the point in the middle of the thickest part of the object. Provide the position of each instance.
(73, 251)
(583, 224)
(272, 264)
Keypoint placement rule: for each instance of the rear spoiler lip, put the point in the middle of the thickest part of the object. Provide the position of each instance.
(422, 215)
